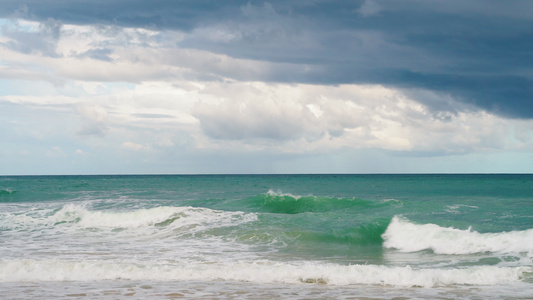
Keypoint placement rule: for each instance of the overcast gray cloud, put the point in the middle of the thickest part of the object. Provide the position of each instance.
(477, 51)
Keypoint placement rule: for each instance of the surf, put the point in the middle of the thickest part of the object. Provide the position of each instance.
(258, 271)
(78, 217)
(406, 236)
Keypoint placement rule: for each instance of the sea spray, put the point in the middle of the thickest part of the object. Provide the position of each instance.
(406, 236)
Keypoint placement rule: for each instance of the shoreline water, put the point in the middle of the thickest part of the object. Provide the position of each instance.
(244, 290)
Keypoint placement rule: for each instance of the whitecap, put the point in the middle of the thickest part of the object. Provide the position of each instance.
(405, 236)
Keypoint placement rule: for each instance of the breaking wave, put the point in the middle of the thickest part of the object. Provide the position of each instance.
(406, 236)
(284, 203)
(78, 216)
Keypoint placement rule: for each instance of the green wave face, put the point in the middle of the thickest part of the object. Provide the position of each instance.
(313, 226)
(290, 204)
(7, 193)
(349, 229)
(366, 234)
(350, 239)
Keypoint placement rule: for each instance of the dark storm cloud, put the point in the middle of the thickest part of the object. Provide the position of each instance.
(43, 41)
(479, 52)
(162, 14)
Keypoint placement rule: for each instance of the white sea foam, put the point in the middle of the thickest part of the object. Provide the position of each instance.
(263, 271)
(280, 194)
(78, 216)
(406, 236)
(182, 216)
(457, 208)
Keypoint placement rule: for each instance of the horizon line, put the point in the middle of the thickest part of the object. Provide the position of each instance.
(268, 174)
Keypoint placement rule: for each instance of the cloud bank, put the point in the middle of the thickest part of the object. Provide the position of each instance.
(276, 83)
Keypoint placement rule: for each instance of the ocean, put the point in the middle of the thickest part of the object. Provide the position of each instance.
(438, 236)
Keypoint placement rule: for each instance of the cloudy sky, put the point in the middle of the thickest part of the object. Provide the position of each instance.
(177, 86)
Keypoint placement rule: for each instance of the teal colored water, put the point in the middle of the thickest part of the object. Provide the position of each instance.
(404, 235)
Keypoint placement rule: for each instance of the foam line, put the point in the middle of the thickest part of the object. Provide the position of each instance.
(264, 271)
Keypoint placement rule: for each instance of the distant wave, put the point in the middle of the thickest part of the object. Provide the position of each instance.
(406, 236)
(284, 203)
(260, 271)
(7, 192)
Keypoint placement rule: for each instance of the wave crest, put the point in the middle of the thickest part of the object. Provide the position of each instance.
(284, 203)
(6, 194)
(406, 236)
(78, 216)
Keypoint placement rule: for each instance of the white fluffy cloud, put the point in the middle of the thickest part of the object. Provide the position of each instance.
(327, 117)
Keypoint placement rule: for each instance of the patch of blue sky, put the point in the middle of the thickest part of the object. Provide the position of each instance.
(19, 87)
(20, 25)
(119, 85)
(7, 88)
(102, 88)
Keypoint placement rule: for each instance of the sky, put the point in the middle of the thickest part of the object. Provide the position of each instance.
(210, 87)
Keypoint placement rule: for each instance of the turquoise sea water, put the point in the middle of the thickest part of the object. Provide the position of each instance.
(267, 236)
